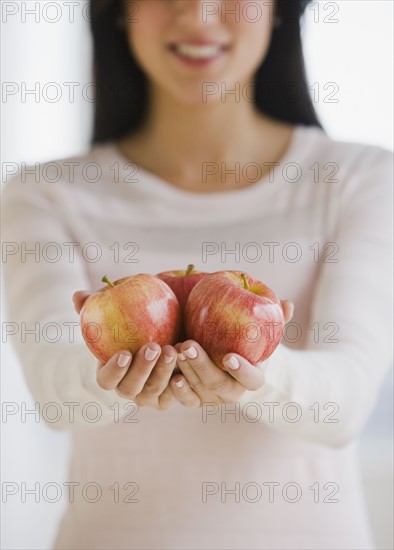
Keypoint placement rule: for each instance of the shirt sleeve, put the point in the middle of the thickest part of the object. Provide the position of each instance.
(325, 391)
(43, 267)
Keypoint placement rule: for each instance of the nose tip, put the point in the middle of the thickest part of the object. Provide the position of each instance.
(194, 7)
(196, 15)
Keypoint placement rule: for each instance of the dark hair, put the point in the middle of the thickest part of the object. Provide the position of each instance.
(280, 85)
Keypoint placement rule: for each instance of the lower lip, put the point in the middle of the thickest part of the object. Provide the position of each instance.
(189, 61)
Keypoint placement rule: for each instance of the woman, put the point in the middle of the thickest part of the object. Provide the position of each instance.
(169, 450)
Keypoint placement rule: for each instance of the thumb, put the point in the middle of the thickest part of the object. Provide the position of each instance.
(79, 298)
(288, 309)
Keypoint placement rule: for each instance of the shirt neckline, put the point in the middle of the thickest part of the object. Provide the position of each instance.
(160, 186)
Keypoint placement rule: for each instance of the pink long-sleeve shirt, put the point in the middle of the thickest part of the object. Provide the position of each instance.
(278, 469)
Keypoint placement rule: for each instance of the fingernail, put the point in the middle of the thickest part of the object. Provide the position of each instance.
(180, 383)
(151, 354)
(168, 358)
(191, 352)
(232, 363)
(123, 360)
(181, 357)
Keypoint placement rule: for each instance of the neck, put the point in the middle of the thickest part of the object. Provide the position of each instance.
(216, 131)
(203, 138)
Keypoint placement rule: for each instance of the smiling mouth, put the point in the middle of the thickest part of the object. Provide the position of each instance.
(198, 51)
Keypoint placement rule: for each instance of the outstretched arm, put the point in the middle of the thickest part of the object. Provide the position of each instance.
(332, 384)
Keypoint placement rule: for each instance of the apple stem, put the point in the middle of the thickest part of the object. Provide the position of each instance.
(246, 284)
(190, 268)
(106, 280)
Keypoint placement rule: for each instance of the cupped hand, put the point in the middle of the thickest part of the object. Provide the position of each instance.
(201, 381)
(143, 378)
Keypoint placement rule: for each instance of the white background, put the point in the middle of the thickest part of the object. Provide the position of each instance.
(355, 53)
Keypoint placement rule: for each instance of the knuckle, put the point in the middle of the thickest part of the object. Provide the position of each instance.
(162, 368)
(151, 388)
(143, 400)
(139, 401)
(197, 386)
(164, 403)
(199, 364)
(126, 394)
(191, 403)
(143, 367)
(104, 384)
(218, 387)
(254, 386)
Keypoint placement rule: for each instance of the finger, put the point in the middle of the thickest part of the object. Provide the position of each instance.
(139, 371)
(184, 368)
(78, 298)
(110, 374)
(183, 392)
(161, 373)
(210, 376)
(167, 399)
(288, 310)
(249, 376)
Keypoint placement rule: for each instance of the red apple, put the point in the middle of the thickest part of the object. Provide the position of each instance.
(129, 313)
(229, 311)
(182, 282)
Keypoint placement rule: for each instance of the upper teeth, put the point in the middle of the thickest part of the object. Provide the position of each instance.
(198, 52)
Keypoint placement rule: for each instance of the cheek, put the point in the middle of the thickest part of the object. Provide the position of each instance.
(252, 31)
(146, 28)
(253, 41)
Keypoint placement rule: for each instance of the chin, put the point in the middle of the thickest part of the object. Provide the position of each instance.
(194, 100)
(192, 94)
(188, 95)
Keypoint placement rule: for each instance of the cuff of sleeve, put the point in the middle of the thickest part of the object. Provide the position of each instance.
(277, 384)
